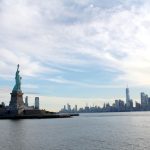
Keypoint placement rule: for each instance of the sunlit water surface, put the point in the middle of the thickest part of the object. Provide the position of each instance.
(103, 131)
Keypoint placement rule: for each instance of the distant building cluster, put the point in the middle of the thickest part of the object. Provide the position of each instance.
(67, 109)
(118, 106)
(36, 104)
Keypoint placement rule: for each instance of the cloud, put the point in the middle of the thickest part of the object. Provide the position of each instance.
(41, 35)
(60, 80)
(30, 86)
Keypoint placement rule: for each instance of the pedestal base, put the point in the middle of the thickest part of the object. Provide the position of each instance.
(16, 103)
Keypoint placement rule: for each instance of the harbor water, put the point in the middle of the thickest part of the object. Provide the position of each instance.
(97, 131)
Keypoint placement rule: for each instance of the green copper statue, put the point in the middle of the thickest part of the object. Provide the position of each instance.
(17, 87)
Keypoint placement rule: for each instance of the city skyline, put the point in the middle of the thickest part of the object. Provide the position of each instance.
(118, 105)
(75, 52)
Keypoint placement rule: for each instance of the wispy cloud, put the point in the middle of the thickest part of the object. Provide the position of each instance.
(30, 86)
(60, 80)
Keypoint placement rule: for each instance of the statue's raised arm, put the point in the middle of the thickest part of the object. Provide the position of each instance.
(18, 67)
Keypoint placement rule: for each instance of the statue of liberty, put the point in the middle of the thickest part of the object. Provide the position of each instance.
(17, 87)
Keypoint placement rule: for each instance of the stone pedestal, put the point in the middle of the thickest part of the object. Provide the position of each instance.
(16, 103)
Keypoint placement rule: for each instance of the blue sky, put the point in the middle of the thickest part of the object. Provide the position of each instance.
(75, 51)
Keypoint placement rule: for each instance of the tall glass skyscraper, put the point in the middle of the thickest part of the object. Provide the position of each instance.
(129, 102)
(127, 95)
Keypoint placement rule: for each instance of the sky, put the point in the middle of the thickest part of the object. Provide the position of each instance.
(72, 51)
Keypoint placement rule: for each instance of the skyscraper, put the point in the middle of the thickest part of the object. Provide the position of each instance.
(127, 98)
(37, 105)
(68, 107)
(144, 100)
(127, 95)
(129, 102)
(76, 108)
(26, 101)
